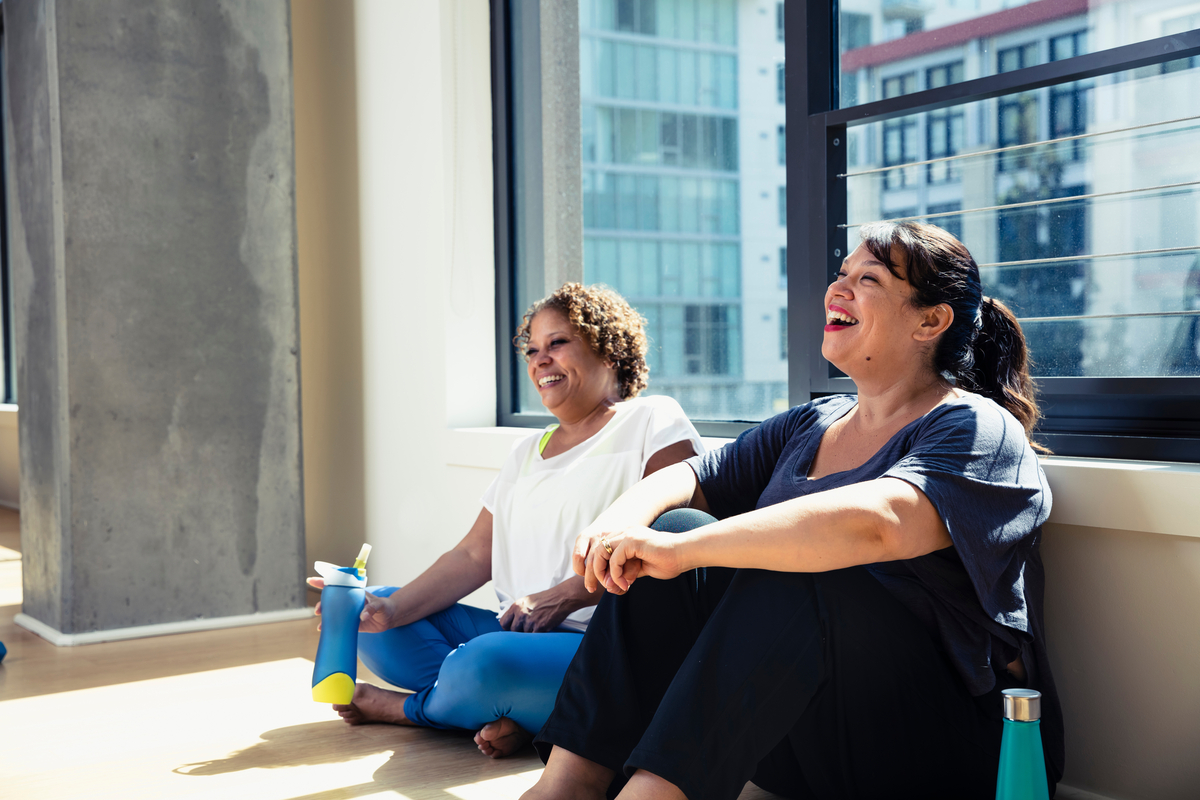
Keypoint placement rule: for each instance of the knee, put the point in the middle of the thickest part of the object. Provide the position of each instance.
(484, 664)
(680, 520)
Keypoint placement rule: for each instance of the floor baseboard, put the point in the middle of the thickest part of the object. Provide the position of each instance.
(61, 639)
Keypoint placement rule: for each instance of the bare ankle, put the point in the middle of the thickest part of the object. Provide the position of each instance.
(568, 775)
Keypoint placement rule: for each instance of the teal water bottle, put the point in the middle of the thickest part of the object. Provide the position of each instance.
(336, 665)
(1022, 764)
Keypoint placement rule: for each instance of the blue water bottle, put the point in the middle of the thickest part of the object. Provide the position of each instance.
(1022, 764)
(342, 602)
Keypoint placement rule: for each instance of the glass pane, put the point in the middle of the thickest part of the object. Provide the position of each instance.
(1081, 203)
(880, 39)
(676, 186)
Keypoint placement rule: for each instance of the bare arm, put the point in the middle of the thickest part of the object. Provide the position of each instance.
(671, 454)
(672, 487)
(881, 520)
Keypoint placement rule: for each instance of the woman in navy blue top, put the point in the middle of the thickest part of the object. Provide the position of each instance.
(843, 591)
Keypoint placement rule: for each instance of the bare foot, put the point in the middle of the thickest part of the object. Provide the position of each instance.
(502, 738)
(568, 775)
(373, 704)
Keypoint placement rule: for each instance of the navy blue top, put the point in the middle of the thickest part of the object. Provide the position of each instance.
(982, 598)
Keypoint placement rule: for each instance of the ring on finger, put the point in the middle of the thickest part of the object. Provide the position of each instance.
(605, 545)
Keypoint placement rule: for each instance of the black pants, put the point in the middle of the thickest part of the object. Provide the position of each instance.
(811, 685)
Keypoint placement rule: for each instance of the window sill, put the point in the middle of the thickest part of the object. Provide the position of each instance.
(1150, 496)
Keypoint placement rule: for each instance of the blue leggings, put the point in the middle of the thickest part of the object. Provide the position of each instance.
(467, 671)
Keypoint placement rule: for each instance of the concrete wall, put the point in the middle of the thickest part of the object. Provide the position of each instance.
(153, 258)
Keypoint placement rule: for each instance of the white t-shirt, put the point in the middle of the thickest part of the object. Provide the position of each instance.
(539, 505)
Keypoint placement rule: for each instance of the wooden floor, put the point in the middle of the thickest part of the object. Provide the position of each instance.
(219, 714)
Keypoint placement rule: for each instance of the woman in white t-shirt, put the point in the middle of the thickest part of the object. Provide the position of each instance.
(469, 668)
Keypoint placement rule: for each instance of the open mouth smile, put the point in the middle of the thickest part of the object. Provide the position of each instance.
(836, 319)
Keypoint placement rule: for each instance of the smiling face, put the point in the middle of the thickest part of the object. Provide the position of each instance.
(569, 377)
(872, 326)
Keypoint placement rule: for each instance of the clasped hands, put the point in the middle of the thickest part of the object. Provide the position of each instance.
(636, 552)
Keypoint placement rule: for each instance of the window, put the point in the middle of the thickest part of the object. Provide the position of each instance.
(662, 191)
(779, 21)
(944, 128)
(1057, 145)
(899, 136)
(946, 216)
(1091, 239)
(1068, 104)
(1017, 114)
(783, 334)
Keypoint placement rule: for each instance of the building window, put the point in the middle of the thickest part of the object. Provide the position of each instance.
(1017, 115)
(779, 26)
(783, 353)
(947, 217)
(855, 30)
(1069, 103)
(783, 268)
(707, 339)
(944, 128)
(899, 136)
(783, 205)
(780, 84)
(781, 138)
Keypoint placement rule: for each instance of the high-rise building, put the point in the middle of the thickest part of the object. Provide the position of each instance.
(683, 180)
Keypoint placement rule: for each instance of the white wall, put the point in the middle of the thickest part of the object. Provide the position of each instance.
(424, 132)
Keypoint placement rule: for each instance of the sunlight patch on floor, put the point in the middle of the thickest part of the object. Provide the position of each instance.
(249, 731)
(509, 787)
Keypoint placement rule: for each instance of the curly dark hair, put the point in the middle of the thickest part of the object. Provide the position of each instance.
(608, 324)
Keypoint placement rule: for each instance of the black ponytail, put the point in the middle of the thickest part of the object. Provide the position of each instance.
(984, 348)
(1000, 368)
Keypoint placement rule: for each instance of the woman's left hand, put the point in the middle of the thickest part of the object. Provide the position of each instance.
(545, 611)
(637, 552)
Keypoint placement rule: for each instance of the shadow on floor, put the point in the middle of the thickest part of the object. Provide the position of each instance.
(423, 762)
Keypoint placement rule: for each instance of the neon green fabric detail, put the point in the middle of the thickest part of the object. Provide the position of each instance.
(545, 440)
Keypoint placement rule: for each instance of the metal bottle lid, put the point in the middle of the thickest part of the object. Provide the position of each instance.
(1022, 705)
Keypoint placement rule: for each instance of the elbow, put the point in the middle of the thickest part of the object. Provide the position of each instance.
(890, 539)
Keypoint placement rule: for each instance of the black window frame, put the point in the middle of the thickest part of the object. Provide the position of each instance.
(1125, 418)
(1128, 418)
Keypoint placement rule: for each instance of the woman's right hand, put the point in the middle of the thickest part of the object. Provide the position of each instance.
(376, 615)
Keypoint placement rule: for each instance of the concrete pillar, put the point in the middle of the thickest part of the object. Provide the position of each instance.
(152, 213)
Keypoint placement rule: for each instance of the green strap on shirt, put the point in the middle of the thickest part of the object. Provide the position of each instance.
(545, 440)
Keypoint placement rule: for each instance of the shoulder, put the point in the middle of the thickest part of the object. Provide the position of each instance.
(972, 436)
(524, 447)
(803, 416)
(652, 404)
(984, 421)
